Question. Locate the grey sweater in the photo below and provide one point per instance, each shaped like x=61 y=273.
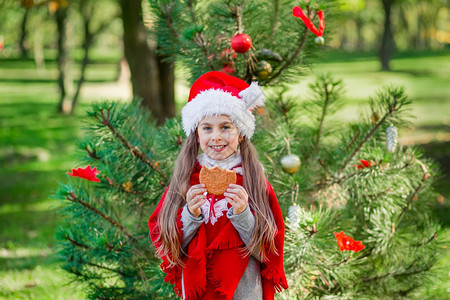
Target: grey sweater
x=249 y=286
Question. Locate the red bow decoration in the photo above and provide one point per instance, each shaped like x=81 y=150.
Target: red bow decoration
x=347 y=243
x=298 y=12
x=364 y=164
x=86 y=173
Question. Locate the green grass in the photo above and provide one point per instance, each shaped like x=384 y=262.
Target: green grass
x=37 y=147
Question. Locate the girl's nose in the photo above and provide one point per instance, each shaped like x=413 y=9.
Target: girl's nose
x=217 y=135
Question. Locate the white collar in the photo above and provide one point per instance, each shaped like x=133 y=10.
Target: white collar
x=227 y=163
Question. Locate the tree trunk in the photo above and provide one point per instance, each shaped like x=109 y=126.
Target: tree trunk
x=359 y=26
x=148 y=81
x=88 y=39
x=167 y=82
x=23 y=34
x=387 y=42
x=64 y=78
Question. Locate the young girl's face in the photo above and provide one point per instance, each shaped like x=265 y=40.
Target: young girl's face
x=218 y=137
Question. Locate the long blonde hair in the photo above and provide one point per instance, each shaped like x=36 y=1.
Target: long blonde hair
x=255 y=185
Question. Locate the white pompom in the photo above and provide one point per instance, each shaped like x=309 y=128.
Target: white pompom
x=253 y=96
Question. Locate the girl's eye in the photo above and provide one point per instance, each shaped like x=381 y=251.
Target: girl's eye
x=206 y=128
x=225 y=127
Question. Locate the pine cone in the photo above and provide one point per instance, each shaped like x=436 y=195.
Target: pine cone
x=391 y=138
x=293 y=214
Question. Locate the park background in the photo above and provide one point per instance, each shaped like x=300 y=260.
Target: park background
x=38 y=143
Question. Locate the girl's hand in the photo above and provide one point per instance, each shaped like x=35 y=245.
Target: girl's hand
x=195 y=199
x=237 y=197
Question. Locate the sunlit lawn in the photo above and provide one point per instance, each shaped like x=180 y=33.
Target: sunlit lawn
x=37 y=147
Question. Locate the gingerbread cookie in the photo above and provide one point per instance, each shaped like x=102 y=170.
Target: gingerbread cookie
x=217 y=180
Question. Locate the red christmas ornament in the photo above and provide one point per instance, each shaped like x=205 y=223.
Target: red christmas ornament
x=241 y=43
x=228 y=69
x=86 y=173
x=364 y=164
x=347 y=243
x=298 y=12
x=228 y=54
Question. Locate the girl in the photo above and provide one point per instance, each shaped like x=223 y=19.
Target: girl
x=229 y=246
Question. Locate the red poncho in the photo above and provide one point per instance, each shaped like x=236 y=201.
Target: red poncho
x=215 y=263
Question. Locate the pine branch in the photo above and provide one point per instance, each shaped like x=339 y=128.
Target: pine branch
x=322 y=117
x=322 y=164
x=294 y=55
x=141 y=214
x=414 y=193
x=190 y=5
x=392 y=108
x=78 y=244
x=199 y=40
x=352 y=141
x=276 y=7
x=134 y=149
x=236 y=13
x=394 y=274
x=123 y=189
x=72 y=197
x=341 y=179
x=166 y=12
x=92 y=153
x=105 y=268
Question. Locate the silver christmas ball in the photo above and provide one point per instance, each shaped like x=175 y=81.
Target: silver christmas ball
x=319 y=41
x=290 y=163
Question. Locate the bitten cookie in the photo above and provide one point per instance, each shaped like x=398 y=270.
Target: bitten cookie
x=217 y=180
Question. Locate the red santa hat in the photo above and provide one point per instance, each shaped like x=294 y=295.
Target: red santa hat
x=216 y=93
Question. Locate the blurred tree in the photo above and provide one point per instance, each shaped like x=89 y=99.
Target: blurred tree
x=387 y=41
x=353 y=11
x=152 y=75
x=90 y=10
x=23 y=33
x=65 y=82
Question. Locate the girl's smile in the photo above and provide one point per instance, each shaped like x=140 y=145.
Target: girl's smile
x=218 y=137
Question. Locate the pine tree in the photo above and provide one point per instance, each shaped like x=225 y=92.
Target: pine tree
x=336 y=183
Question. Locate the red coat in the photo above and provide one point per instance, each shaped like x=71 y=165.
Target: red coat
x=215 y=263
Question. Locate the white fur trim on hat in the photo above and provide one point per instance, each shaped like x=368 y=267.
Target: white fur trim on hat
x=217 y=102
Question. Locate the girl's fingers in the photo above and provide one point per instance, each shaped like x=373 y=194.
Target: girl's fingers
x=231 y=201
x=237 y=189
x=194 y=191
x=197 y=199
x=236 y=197
x=199 y=203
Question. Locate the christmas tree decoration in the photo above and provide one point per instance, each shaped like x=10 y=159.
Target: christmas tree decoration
x=293 y=214
x=391 y=138
x=375 y=117
x=228 y=69
x=127 y=186
x=86 y=173
x=228 y=54
x=290 y=163
x=266 y=54
x=346 y=243
x=298 y=12
x=241 y=43
x=263 y=70
x=319 y=41
x=364 y=164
